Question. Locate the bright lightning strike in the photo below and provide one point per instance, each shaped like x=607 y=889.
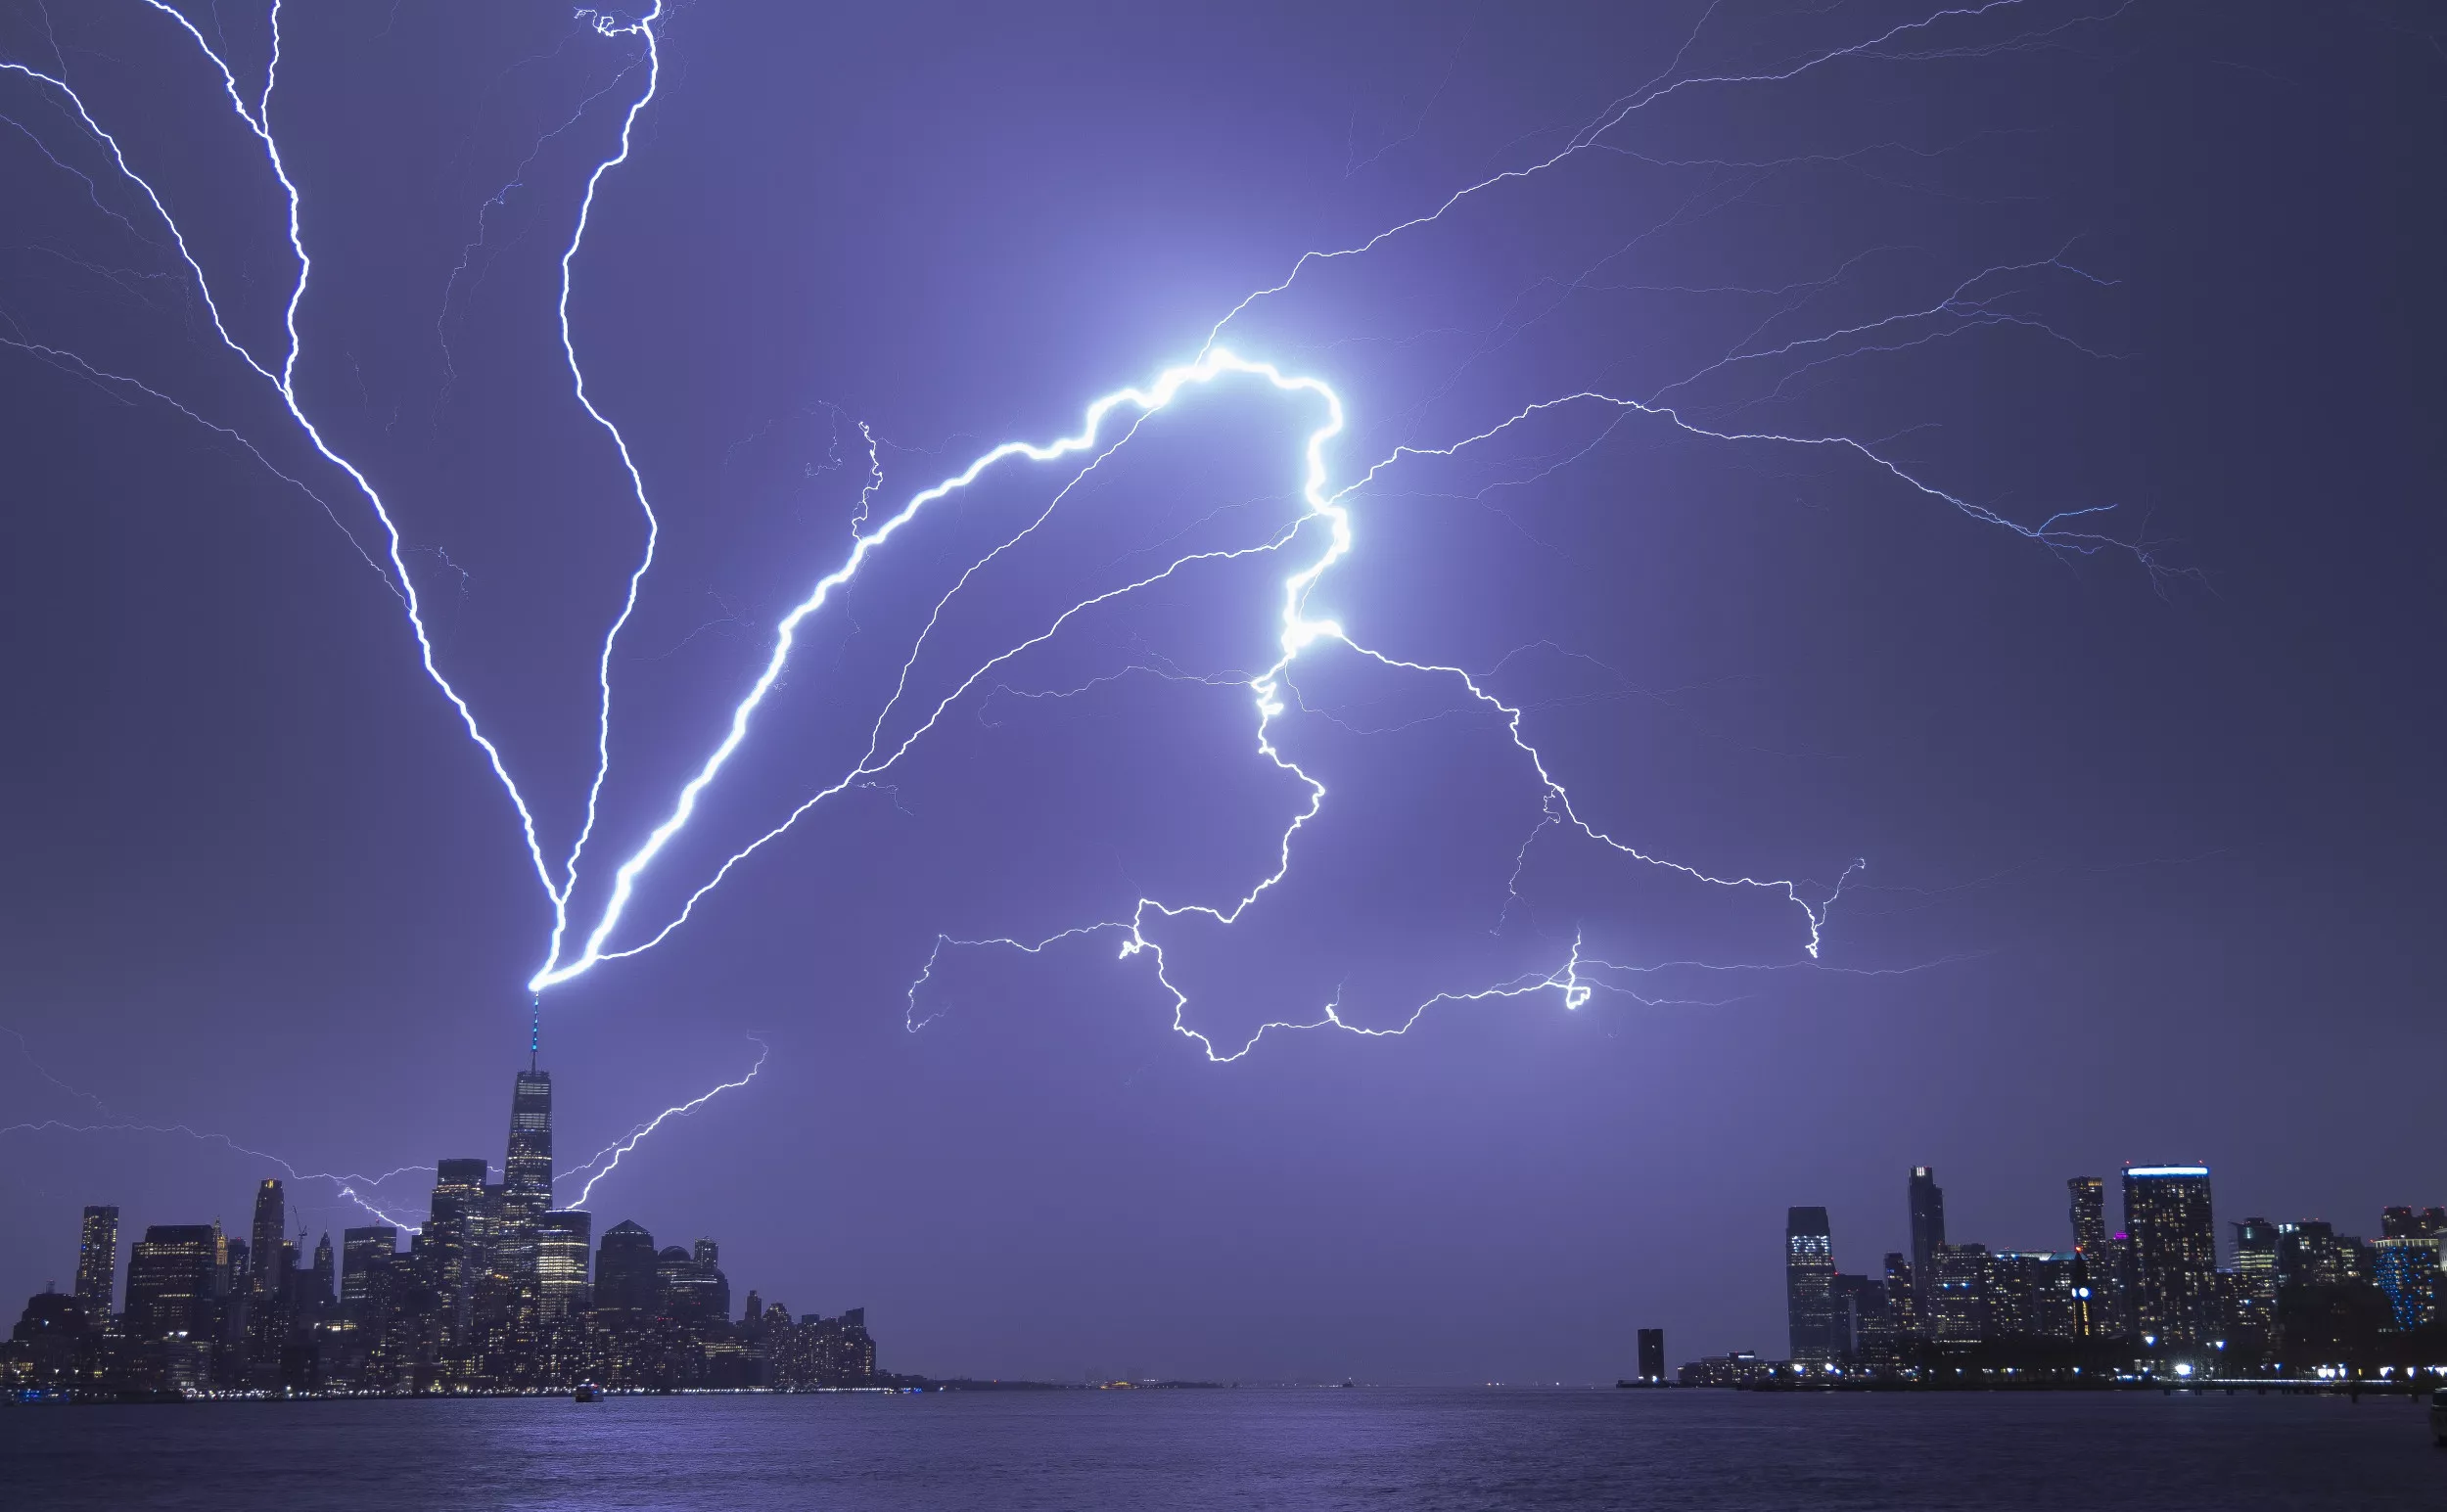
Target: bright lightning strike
x=1325 y=527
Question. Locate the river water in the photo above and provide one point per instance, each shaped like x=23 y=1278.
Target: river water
x=1377 y=1448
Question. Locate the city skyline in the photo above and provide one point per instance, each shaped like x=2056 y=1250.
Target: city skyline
x=493 y=1293
x=2158 y=1298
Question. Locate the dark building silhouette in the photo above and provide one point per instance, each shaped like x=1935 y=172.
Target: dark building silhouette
x=317 y=1292
x=267 y=1310
x=1864 y=1323
x=2173 y=1252
x=1652 y=1357
x=98 y=1260
x=271 y=1218
x=1809 y=1276
x=1928 y=1232
x=624 y=1276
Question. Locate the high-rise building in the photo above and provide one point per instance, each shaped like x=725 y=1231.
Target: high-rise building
x=2396 y=1223
x=691 y=1292
x=271 y=1218
x=98 y=1262
x=362 y=1251
x=1652 y=1357
x=2175 y=1253
x=1864 y=1324
x=510 y=1303
x=1809 y=1276
x=562 y=1239
x=2089 y=1214
x=1958 y=1293
x=526 y=1173
x=170 y=1281
x=627 y=1303
x=457 y=1247
x=624 y=1276
x=1928 y=1232
x=268 y=1288
x=316 y=1292
x=2256 y=1281
x=1904 y=1319
x=2407 y=1269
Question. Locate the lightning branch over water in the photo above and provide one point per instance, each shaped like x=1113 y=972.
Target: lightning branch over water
x=1320 y=540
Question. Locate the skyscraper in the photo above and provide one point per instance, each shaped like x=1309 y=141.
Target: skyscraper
x=2173 y=1252
x=526 y=1173
x=266 y=1309
x=514 y=1301
x=315 y=1292
x=2089 y=1214
x=562 y=1240
x=1905 y=1320
x=1958 y=1293
x=454 y=1246
x=624 y=1276
x=1652 y=1357
x=2407 y=1269
x=1928 y=1232
x=169 y=1280
x=362 y=1251
x=626 y=1301
x=271 y=1218
x=98 y=1260
x=1808 y=1277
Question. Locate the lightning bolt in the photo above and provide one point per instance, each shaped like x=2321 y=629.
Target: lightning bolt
x=621 y=1147
x=347 y=1183
x=1325 y=527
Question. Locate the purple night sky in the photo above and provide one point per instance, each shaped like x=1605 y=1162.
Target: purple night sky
x=2152 y=833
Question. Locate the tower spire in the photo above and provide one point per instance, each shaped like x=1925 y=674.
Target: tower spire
x=534 y=1030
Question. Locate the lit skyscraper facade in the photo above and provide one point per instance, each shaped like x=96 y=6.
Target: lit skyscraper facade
x=1958 y=1293
x=362 y=1251
x=562 y=1240
x=454 y=1247
x=2407 y=1270
x=1809 y=1279
x=2089 y=1212
x=526 y=1173
x=1928 y=1232
x=98 y=1259
x=2173 y=1252
x=169 y=1280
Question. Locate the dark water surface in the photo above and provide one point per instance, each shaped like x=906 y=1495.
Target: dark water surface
x=1086 y=1451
